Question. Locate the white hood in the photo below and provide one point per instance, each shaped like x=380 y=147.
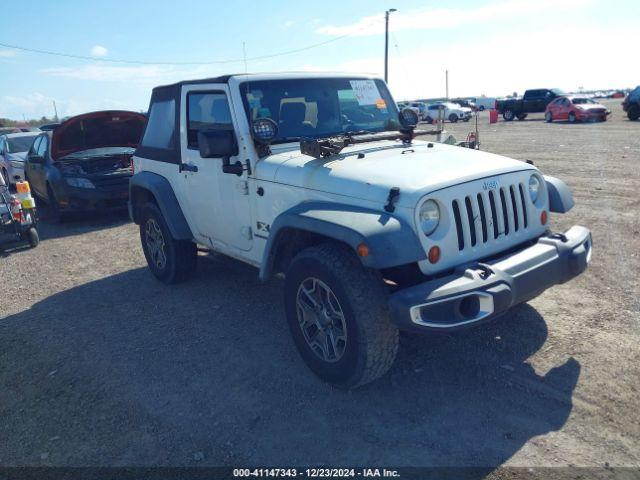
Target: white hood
x=416 y=169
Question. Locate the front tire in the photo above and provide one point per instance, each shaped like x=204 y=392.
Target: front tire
x=170 y=260
x=58 y=216
x=548 y=117
x=31 y=236
x=453 y=118
x=572 y=117
x=338 y=316
x=481 y=108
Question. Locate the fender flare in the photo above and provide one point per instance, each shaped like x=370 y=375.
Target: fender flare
x=166 y=199
x=560 y=197
x=391 y=241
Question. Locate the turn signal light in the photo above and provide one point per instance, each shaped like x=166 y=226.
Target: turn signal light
x=543 y=217
x=434 y=254
x=363 y=250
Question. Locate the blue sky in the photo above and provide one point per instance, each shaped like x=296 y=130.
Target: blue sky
x=492 y=47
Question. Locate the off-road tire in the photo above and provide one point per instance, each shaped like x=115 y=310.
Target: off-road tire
x=453 y=118
x=508 y=115
x=180 y=255
x=548 y=117
x=372 y=341
x=634 y=112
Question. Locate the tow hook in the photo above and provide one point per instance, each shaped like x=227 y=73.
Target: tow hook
x=559 y=236
x=485 y=270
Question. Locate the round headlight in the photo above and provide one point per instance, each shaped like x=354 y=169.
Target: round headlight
x=534 y=187
x=429 y=217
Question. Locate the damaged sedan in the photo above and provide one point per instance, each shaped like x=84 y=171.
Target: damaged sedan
x=84 y=164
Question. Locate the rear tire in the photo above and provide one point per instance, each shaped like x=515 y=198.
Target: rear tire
x=548 y=117
x=338 y=316
x=634 y=112
x=453 y=118
x=170 y=260
x=572 y=117
x=508 y=115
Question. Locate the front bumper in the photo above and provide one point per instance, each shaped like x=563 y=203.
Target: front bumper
x=91 y=199
x=480 y=292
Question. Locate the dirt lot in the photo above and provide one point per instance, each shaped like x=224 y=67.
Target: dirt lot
x=102 y=365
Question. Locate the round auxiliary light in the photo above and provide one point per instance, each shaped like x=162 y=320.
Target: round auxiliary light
x=264 y=130
x=408 y=118
x=534 y=187
x=434 y=254
x=429 y=216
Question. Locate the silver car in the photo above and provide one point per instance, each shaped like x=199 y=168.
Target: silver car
x=13 y=152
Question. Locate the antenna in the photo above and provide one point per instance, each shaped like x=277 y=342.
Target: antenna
x=55 y=110
x=244 y=56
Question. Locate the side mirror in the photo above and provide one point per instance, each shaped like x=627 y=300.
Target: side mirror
x=220 y=144
x=217 y=143
x=36 y=159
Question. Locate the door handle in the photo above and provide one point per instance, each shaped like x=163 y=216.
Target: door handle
x=187 y=167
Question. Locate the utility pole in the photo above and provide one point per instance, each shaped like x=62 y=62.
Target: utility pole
x=386 y=43
x=55 y=110
x=446 y=79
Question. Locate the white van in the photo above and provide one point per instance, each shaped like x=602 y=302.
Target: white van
x=484 y=103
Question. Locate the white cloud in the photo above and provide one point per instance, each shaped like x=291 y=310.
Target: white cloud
x=146 y=75
x=288 y=23
x=8 y=53
x=36 y=105
x=99 y=51
x=443 y=18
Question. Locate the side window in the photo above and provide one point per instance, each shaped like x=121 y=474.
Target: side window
x=206 y=111
x=1 y=146
x=161 y=125
x=42 y=147
x=34 y=147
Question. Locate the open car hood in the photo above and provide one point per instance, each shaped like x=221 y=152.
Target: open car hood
x=110 y=128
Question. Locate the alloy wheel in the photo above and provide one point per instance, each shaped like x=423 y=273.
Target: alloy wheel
x=321 y=320
x=155 y=243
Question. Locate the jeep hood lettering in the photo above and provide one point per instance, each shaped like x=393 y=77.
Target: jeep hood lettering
x=416 y=169
x=111 y=128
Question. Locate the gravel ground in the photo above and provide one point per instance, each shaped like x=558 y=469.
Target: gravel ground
x=102 y=365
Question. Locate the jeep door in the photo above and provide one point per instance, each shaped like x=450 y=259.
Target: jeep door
x=219 y=204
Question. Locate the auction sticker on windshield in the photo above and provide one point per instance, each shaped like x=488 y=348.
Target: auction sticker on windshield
x=366 y=91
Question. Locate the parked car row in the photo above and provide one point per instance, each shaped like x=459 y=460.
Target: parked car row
x=428 y=112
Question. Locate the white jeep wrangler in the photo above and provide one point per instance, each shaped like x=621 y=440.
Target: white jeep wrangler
x=320 y=178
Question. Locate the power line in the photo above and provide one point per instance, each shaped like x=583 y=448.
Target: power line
x=146 y=62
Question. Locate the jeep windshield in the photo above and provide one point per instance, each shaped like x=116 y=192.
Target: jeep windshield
x=321 y=107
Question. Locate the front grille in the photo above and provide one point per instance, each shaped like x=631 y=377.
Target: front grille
x=487 y=216
x=111 y=183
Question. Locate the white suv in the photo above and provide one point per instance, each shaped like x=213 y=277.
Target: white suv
x=452 y=112
x=320 y=178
